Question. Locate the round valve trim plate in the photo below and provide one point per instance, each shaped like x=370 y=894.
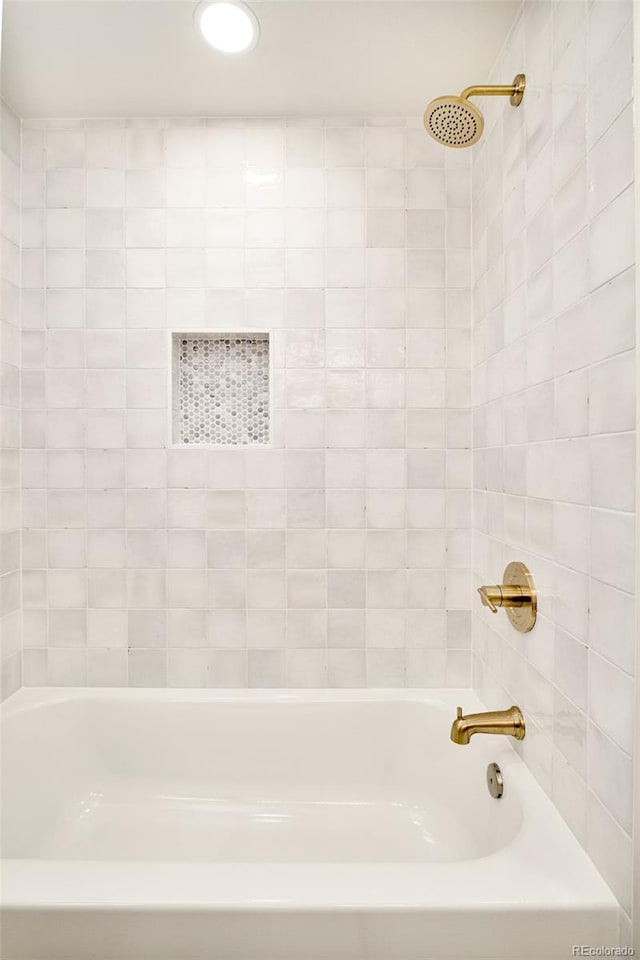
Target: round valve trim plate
x=523 y=618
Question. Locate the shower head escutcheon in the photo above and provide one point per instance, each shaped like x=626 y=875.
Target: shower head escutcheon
x=456 y=122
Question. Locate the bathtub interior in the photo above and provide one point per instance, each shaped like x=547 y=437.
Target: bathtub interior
x=234 y=779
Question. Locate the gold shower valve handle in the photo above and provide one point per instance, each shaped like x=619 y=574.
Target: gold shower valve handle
x=494 y=597
x=517 y=594
x=491 y=597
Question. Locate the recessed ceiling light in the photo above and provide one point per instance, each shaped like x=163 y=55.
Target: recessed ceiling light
x=230 y=26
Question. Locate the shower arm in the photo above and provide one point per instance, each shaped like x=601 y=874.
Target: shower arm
x=490 y=91
x=515 y=90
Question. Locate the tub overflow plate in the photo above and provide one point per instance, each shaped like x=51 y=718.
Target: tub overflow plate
x=495 y=783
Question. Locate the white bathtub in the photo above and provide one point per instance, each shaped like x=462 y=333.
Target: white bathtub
x=243 y=825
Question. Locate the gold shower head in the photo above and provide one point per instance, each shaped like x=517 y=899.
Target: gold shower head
x=456 y=122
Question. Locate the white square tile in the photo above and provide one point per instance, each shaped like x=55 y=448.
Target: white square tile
x=612 y=239
x=611 y=700
x=612 y=548
x=611 y=395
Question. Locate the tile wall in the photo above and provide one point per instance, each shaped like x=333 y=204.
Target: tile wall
x=341 y=555
x=338 y=557
x=553 y=401
x=10 y=619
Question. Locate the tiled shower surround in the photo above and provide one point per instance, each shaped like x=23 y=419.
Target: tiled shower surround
x=339 y=555
x=10 y=614
x=553 y=397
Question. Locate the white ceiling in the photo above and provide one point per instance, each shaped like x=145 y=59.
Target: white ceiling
x=128 y=58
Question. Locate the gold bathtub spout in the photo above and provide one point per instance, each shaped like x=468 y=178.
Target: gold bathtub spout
x=509 y=723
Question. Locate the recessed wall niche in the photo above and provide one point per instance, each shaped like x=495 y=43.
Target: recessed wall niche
x=221 y=387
